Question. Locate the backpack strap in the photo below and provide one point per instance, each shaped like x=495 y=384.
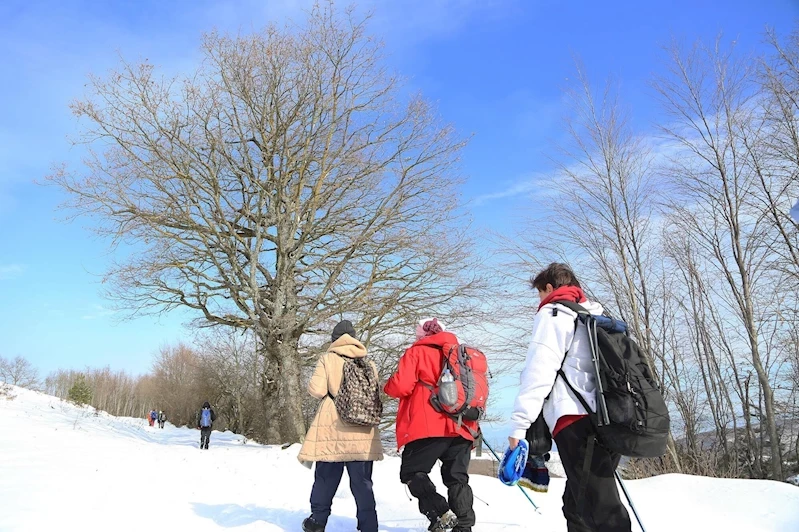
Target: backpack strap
x=589 y=456
x=591 y=324
x=578 y=309
x=583 y=315
x=581 y=311
x=444 y=360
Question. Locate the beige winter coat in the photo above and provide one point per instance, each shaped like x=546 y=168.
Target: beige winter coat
x=329 y=439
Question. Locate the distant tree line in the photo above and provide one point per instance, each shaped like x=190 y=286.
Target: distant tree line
x=686 y=234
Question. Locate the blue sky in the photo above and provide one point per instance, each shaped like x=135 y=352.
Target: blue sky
x=496 y=68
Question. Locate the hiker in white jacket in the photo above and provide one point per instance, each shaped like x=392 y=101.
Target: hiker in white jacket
x=591 y=500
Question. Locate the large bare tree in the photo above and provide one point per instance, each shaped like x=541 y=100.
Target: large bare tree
x=288 y=180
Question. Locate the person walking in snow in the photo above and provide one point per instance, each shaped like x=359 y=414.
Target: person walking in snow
x=335 y=445
x=428 y=435
x=205 y=422
x=161 y=418
x=153 y=417
x=591 y=500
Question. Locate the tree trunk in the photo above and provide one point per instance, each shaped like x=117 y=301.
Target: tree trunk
x=290 y=393
x=763 y=380
x=285 y=422
x=240 y=414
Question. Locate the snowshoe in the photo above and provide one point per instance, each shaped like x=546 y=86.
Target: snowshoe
x=513 y=463
x=447 y=521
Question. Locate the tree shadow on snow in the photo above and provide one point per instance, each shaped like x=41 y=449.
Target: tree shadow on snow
x=234 y=515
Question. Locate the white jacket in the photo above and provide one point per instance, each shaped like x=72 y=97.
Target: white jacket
x=553 y=336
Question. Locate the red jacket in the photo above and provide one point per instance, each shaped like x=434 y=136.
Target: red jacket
x=416 y=418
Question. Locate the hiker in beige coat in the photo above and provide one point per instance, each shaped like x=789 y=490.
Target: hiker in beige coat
x=334 y=445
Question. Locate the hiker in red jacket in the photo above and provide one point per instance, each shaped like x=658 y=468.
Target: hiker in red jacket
x=428 y=435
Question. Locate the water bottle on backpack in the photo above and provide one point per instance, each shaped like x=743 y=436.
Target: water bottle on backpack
x=447 y=389
x=462 y=388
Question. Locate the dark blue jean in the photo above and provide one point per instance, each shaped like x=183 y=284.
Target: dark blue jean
x=326 y=480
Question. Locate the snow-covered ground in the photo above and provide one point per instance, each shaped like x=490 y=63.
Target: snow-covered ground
x=64 y=468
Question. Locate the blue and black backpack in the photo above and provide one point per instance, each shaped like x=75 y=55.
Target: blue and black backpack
x=205 y=417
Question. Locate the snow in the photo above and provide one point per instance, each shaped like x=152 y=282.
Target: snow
x=63 y=467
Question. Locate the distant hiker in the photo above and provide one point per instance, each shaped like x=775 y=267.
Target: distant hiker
x=153 y=417
x=161 y=418
x=429 y=435
x=344 y=431
x=560 y=350
x=205 y=421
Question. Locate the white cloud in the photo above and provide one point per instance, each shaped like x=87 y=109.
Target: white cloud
x=514 y=190
x=98 y=311
x=10 y=271
x=519 y=188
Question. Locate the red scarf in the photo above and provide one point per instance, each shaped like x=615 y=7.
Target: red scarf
x=569 y=293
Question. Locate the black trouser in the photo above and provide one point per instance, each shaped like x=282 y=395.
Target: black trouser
x=600 y=509
x=161 y=424
x=326 y=480
x=205 y=437
x=418 y=459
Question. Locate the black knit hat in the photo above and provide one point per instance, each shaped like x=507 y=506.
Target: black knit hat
x=343 y=327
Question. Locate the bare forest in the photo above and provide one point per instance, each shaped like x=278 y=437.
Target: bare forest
x=291 y=181
x=685 y=233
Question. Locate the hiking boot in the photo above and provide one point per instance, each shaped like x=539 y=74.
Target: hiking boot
x=309 y=525
x=536 y=475
x=444 y=522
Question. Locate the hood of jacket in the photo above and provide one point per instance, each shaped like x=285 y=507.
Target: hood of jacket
x=347 y=346
x=206 y=405
x=437 y=340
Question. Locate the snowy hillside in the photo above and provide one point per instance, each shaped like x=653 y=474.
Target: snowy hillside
x=64 y=468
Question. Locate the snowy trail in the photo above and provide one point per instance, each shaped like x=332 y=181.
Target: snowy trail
x=62 y=467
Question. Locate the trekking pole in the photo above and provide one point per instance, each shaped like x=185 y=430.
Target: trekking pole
x=479 y=499
x=521 y=488
x=629 y=500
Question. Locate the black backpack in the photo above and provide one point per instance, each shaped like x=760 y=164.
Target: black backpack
x=631 y=418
